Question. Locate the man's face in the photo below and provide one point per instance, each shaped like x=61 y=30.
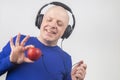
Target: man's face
x=54 y=24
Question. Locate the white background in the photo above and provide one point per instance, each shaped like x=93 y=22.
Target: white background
x=95 y=39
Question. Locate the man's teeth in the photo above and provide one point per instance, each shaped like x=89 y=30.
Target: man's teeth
x=49 y=31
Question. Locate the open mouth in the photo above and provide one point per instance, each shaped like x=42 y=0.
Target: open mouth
x=51 y=31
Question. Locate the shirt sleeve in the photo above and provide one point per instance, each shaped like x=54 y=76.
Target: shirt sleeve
x=5 y=63
x=69 y=67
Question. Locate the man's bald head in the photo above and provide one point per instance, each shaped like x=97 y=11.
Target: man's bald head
x=59 y=12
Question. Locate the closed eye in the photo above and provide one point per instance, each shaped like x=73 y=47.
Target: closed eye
x=60 y=23
x=49 y=19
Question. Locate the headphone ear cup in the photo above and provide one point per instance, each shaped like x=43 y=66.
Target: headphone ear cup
x=39 y=20
x=67 y=32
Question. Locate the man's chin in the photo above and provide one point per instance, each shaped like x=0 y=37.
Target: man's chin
x=49 y=39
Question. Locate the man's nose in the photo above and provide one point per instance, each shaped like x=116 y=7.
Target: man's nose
x=53 y=24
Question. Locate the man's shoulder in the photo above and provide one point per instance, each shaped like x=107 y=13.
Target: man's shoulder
x=66 y=54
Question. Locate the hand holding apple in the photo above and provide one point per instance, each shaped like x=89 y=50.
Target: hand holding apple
x=34 y=53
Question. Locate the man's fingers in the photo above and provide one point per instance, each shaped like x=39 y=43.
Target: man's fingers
x=29 y=46
x=81 y=62
x=17 y=42
x=77 y=66
x=80 y=74
x=24 y=40
x=85 y=66
x=28 y=60
x=11 y=43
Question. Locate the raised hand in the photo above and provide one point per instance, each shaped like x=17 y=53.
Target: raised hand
x=79 y=71
x=17 y=55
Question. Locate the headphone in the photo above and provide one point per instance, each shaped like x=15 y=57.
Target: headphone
x=69 y=28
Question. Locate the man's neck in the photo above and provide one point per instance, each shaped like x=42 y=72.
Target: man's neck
x=46 y=42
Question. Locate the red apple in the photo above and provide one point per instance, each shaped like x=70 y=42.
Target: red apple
x=34 y=53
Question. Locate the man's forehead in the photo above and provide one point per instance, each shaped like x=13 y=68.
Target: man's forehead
x=56 y=9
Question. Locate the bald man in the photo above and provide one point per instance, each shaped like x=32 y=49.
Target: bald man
x=55 y=64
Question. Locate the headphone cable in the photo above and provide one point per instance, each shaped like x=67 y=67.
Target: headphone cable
x=61 y=43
